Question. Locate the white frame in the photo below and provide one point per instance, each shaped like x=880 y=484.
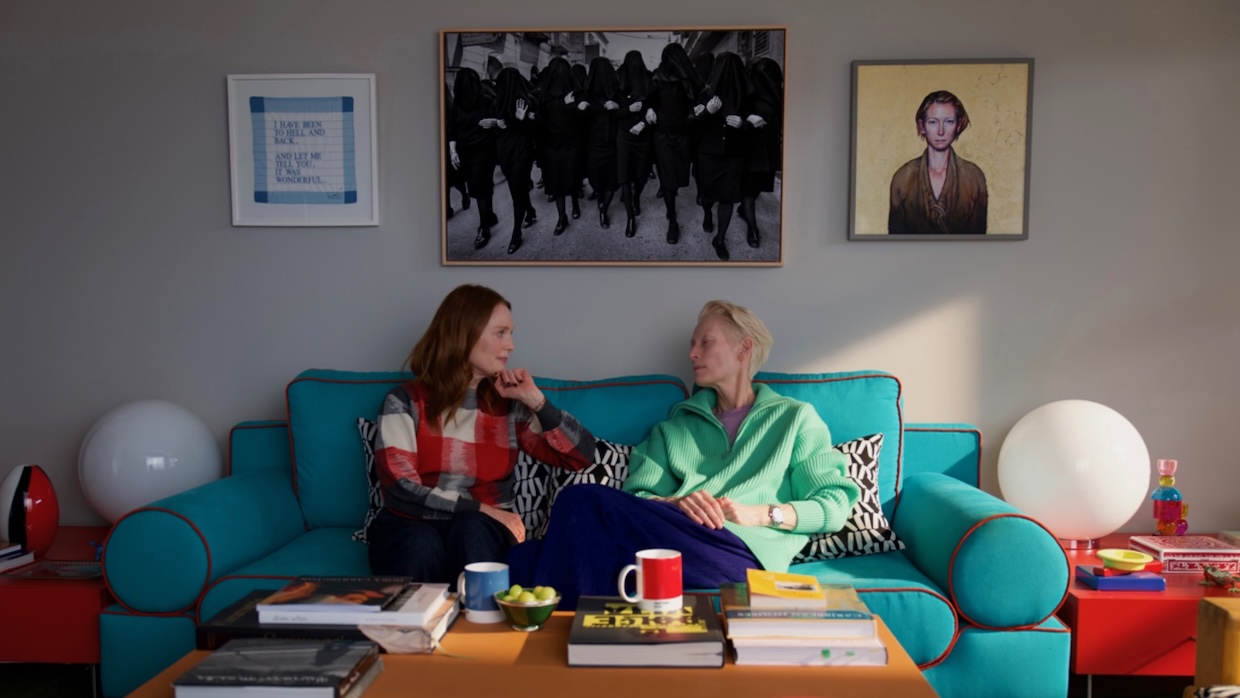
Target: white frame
x=360 y=175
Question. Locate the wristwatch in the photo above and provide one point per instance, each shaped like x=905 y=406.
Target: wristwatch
x=776 y=514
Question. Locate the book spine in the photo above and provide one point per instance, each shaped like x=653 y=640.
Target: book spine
x=1231 y=566
x=788 y=614
x=1206 y=555
x=826 y=656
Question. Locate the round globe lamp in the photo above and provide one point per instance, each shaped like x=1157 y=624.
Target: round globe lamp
x=143 y=451
x=1078 y=467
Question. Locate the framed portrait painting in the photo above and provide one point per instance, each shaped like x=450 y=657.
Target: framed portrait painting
x=644 y=146
x=303 y=150
x=940 y=149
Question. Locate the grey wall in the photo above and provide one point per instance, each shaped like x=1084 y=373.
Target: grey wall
x=121 y=277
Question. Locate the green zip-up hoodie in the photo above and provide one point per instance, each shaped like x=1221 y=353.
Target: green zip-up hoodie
x=782 y=455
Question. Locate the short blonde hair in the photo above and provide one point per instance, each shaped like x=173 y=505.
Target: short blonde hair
x=742 y=323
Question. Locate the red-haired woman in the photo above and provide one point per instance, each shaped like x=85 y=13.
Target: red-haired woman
x=447 y=444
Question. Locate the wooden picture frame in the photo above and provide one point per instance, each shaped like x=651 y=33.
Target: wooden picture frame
x=303 y=150
x=537 y=154
x=940 y=149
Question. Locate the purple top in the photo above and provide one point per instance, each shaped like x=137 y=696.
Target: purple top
x=731 y=420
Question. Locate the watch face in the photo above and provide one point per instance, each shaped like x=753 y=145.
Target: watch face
x=777 y=516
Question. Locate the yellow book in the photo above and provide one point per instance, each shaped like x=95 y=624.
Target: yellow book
x=784 y=590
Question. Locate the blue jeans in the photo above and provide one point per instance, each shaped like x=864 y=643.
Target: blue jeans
x=435 y=550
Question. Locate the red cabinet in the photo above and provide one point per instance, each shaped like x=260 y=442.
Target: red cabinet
x=57 y=620
x=1133 y=632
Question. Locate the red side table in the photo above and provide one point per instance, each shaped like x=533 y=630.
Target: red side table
x=1145 y=633
x=57 y=620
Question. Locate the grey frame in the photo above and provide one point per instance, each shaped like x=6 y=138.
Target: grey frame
x=915 y=99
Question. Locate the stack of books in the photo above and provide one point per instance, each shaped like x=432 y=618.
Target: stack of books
x=13 y=555
x=1105 y=578
x=419 y=614
x=302 y=668
x=609 y=631
x=1188 y=553
x=807 y=624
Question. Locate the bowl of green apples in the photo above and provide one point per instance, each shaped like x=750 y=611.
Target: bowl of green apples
x=527 y=609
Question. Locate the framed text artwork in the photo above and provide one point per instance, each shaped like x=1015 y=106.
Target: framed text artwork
x=646 y=146
x=940 y=149
x=303 y=150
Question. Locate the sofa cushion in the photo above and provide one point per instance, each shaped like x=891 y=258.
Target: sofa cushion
x=866 y=531
x=326 y=551
x=918 y=612
x=853 y=405
x=329 y=470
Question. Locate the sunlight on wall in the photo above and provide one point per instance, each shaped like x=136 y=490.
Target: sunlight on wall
x=936 y=355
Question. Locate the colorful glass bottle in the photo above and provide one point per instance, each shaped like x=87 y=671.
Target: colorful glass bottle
x=1170 y=511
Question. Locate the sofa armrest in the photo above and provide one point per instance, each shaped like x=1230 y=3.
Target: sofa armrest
x=1001 y=569
x=161 y=557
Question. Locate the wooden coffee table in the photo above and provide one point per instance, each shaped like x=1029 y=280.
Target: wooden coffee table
x=497 y=661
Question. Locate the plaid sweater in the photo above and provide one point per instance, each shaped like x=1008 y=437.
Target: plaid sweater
x=430 y=474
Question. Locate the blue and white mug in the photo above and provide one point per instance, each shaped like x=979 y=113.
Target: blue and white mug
x=477 y=586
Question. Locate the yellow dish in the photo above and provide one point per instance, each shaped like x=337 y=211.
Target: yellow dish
x=1127 y=560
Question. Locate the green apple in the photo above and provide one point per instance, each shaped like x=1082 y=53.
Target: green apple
x=526 y=597
x=515 y=590
x=545 y=593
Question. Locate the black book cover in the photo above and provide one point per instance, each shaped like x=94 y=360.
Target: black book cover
x=285 y=663
x=240 y=619
x=608 y=631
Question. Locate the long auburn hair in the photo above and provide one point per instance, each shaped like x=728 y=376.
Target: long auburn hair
x=440 y=359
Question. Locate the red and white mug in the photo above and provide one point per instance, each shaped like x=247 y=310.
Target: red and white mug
x=659 y=581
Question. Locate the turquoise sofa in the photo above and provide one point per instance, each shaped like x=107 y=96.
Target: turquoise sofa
x=972 y=597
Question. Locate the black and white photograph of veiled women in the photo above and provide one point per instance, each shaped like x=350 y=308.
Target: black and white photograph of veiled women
x=613 y=147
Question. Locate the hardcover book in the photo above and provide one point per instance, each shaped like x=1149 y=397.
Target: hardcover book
x=335 y=594
x=240 y=619
x=1188 y=553
x=846 y=615
x=769 y=589
x=15 y=560
x=608 y=631
x=411 y=607
x=1133 y=581
x=260 y=668
x=58 y=569
x=791 y=651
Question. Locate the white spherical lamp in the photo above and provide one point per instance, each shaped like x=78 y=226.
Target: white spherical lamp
x=143 y=451
x=1076 y=466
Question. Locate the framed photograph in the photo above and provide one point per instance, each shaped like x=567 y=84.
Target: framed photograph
x=303 y=150
x=655 y=146
x=940 y=149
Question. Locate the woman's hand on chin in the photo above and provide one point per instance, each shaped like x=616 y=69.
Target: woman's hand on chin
x=518 y=384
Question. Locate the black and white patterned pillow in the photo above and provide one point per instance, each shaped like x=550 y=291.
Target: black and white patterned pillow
x=532 y=485
x=366 y=429
x=867 y=530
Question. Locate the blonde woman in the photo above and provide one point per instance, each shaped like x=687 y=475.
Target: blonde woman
x=738 y=476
